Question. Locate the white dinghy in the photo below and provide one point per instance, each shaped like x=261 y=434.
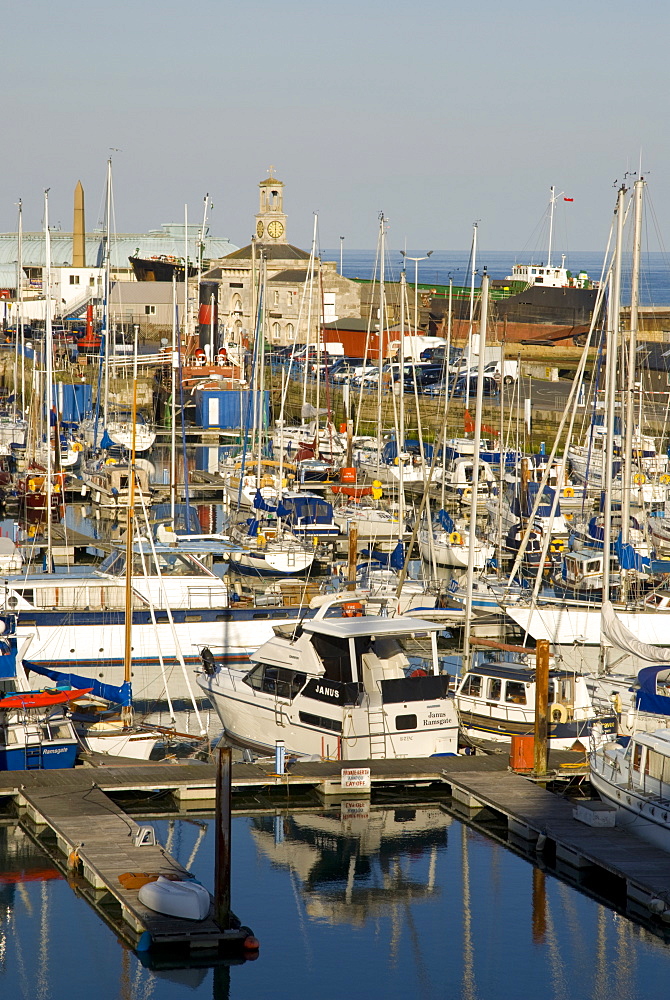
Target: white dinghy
x=186 y=900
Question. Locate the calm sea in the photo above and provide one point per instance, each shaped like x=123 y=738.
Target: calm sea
x=356 y=902
x=654 y=285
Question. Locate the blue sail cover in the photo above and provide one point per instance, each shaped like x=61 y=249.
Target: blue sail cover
x=629 y=558
x=445 y=521
x=110 y=692
x=646 y=699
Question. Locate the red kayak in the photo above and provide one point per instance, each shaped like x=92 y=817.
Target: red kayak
x=41 y=699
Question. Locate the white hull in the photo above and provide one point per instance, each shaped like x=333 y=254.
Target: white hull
x=258 y=720
x=97 y=651
x=564 y=626
x=640 y=812
x=448 y=553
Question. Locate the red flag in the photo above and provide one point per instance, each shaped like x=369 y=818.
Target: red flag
x=489 y=430
x=468 y=422
x=568 y=199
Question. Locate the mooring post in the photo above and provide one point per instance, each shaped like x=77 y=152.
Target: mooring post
x=222 y=842
x=541 y=707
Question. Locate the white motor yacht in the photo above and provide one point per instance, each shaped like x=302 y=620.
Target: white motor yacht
x=339 y=687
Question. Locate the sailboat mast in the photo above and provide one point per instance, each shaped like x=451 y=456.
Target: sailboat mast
x=613 y=319
x=19 y=305
x=127 y=710
x=106 y=289
x=638 y=189
x=173 y=403
x=552 y=202
x=380 y=333
x=479 y=406
x=401 y=408
x=473 y=271
x=48 y=344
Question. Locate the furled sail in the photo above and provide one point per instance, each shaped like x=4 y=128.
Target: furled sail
x=616 y=633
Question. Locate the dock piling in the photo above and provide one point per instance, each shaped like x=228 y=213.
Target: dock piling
x=222 y=841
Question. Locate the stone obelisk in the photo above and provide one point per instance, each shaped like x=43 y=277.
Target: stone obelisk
x=79 y=229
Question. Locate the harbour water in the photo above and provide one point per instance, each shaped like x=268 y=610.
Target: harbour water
x=443 y=264
x=389 y=903
x=382 y=902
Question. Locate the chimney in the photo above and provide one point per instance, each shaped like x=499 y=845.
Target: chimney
x=79 y=229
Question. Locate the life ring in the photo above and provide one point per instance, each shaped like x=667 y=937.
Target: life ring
x=456 y=538
x=418 y=673
x=78 y=446
x=665 y=478
x=639 y=478
x=466 y=494
x=558 y=713
x=568 y=491
x=110 y=461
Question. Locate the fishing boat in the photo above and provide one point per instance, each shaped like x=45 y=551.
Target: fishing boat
x=76 y=623
x=636 y=781
x=496 y=700
x=339 y=687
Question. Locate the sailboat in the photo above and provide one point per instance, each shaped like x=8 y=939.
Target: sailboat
x=117 y=427
x=102 y=730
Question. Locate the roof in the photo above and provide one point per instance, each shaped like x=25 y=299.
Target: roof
x=271 y=251
x=168 y=240
x=356 y=325
x=292 y=274
x=369 y=625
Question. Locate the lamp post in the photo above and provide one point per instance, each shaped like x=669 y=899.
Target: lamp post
x=416 y=283
x=341 y=251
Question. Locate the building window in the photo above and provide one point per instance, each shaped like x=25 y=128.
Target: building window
x=74 y=279
x=289 y=298
x=276 y=298
x=276 y=330
x=150 y=310
x=290 y=331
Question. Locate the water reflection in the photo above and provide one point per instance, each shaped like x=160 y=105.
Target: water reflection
x=360 y=862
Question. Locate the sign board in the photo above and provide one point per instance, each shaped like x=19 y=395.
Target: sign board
x=355 y=777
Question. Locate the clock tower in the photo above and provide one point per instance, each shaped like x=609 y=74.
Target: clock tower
x=270 y=219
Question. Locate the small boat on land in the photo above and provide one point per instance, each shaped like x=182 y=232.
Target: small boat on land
x=348 y=688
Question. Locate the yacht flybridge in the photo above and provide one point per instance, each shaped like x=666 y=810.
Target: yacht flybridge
x=348 y=688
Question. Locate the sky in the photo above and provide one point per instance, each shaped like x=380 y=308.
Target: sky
x=436 y=113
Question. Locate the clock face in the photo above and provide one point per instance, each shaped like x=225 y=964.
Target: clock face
x=259 y=229
x=275 y=229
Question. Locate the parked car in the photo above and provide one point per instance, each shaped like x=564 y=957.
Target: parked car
x=490 y=386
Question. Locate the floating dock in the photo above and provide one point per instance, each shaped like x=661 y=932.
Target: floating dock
x=74 y=805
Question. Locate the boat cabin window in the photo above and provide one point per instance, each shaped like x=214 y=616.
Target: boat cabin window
x=494 y=689
x=277 y=681
x=171 y=563
x=334 y=654
x=560 y=690
x=594 y=566
x=60 y=730
x=637 y=756
x=515 y=692
x=472 y=686
x=657 y=766
x=9 y=736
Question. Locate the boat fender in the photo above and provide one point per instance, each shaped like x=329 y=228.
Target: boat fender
x=73 y=859
x=208 y=662
x=558 y=712
x=456 y=538
x=540 y=843
x=568 y=491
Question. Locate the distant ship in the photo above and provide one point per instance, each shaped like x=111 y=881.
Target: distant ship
x=161 y=268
